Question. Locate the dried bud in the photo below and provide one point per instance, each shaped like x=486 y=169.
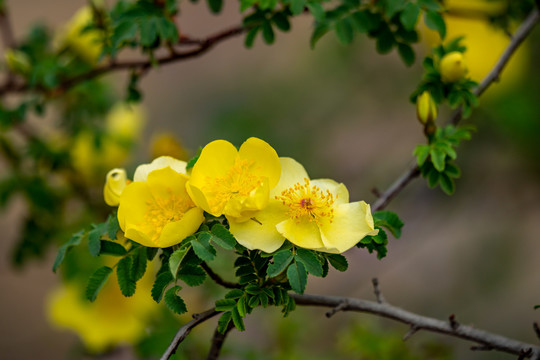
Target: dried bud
x=17 y=61
x=452 y=67
x=116 y=181
x=426 y=109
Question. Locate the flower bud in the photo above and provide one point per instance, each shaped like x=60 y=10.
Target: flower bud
x=17 y=61
x=426 y=109
x=452 y=67
x=116 y=181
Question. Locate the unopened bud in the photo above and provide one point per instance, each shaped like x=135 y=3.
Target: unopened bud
x=453 y=67
x=17 y=61
x=426 y=109
x=116 y=181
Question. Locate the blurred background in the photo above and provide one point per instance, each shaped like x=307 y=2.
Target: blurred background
x=342 y=111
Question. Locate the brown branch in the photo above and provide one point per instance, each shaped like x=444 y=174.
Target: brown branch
x=6 y=31
x=186 y=329
x=218 y=279
x=142 y=64
x=217 y=342
x=420 y=322
x=412 y=171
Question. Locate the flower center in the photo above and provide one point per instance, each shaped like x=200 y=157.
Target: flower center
x=239 y=182
x=161 y=211
x=308 y=202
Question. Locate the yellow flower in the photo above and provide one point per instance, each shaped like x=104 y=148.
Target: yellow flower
x=426 y=109
x=155 y=209
x=234 y=182
x=110 y=320
x=452 y=67
x=125 y=121
x=88 y=44
x=313 y=214
x=116 y=181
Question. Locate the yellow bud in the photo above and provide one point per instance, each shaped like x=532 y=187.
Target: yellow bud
x=116 y=181
x=452 y=67
x=426 y=109
x=167 y=145
x=17 y=61
x=125 y=121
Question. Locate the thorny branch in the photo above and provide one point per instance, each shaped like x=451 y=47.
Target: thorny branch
x=218 y=279
x=217 y=342
x=412 y=171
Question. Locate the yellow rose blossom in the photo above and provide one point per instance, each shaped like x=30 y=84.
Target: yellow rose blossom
x=110 y=320
x=116 y=181
x=313 y=214
x=233 y=182
x=452 y=67
x=155 y=209
x=426 y=109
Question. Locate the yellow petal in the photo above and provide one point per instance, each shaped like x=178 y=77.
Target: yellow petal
x=350 y=224
x=137 y=235
x=114 y=185
x=340 y=192
x=265 y=158
x=161 y=162
x=198 y=198
x=260 y=232
x=292 y=172
x=215 y=160
x=174 y=232
x=241 y=207
x=304 y=234
x=133 y=204
x=166 y=182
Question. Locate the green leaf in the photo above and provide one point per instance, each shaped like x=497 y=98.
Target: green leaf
x=282 y=21
x=94 y=237
x=409 y=16
x=138 y=264
x=435 y=21
x=393 y=6
x=344 y=31
x=297 y=6
x=224 y=321
x=225 y=304
x=176 y=259
x=96 y=282
x=234 y=294
x=223 y=237
x=297 y=275
x=421 y=152
x=317 y=11
x=407 y=54
x=151 y=253
x=447 y=184
x=237 y=320
x=112 y=248
x=268 y=33
x=192 y=275
x=389 y=220
x=430 y=4
x=215 y=5
x=175 y=302
x=241 y=306
x=73 y=241
x=162 y=281
x=281 y=260
x=437 y=158
x=202 y=247
x=452 y=170
x=123 y=274
x=310 y=261
x=112 y=226
x=433 y=177
x=193 y=160
x=385 y=42
x=339 y=262
x=250 y=36
x=318 y=32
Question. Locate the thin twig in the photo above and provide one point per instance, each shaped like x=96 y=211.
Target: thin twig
x=412 y=171
x=217 y=342
x=186 y=329
x=497 y=342
x=218 y=279
x=378 y=294
x=412 y=330
x=340 y=307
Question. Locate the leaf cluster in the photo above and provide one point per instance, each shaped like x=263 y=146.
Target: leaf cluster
x=382 y=220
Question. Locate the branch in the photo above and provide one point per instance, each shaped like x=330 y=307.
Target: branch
x=186 y=329
x=419 y=322
x=203 y=46
x=218 y=279
x=217 y=342
x=6 y=31
x=412 y=172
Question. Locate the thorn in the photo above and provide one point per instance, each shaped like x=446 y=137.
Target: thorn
x=376 y=192
x=524 y=353
x=378 y=294
x=412 y=330
x=453 y=323
x=341 y=306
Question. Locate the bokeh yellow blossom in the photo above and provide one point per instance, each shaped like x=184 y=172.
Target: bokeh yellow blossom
x=166 y=144
x=452 y=67
x=110 y=320
x=313 y=214
x=485 y=43
x=155 y=209
x=233 y=182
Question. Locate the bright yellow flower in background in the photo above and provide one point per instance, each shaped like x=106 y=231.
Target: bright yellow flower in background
x=453 y=67
x=485 y=43
x=166 y=144
x=110 y=320
x=125 y=121
x=231 y=182
x=87 y=44
x=155 y=209
x=313 y=214
x=115 y=183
